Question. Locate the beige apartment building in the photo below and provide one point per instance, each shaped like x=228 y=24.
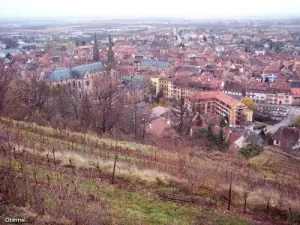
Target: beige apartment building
x=177 y=88
x=221 y=104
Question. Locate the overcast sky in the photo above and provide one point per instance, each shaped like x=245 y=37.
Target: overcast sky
x=150 y=8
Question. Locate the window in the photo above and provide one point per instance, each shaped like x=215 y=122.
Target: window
x=74 y=83
x=79 y=84
x=87 y=83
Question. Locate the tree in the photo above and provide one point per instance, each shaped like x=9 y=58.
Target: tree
x=5 y=80
x=10 y=43
x=204 y=38
x=109 y=105
x=220 y=138
x=249 y=103
x=9 y=56
x=210 y=136
x=267 y=80
x=199 y=121
x=296 y=122
x=160 y=94
x=223 y=122
x=251 y=150
x=39 y=93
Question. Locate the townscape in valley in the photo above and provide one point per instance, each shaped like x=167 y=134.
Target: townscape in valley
x=150 y=121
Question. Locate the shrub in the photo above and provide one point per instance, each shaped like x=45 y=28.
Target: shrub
x=251 y=150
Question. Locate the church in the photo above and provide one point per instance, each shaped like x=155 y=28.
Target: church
x=81 y=78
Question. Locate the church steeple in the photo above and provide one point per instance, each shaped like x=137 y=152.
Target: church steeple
x=110 y=54
x=96 y=56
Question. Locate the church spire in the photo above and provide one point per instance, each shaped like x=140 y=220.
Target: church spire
x=110 y=54
x=96 y=56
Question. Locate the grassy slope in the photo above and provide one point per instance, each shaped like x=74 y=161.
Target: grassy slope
x=129 y=203
x=135 y=206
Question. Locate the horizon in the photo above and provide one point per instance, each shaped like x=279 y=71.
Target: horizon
x=133 y=9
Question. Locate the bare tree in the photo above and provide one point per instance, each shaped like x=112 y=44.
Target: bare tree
x=108 y=103
x=6 y=76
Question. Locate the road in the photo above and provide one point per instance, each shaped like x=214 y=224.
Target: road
x=292 y=114
x=179 y=39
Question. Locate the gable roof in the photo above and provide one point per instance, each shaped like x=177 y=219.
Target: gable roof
x=160 y=64
x=289 y=136
x=295 y=84
x=233 y=86
x=295 y=91
x=159 y=111
x=273 y=68
x=76 y=72
x=160 y=127
x=221 y=96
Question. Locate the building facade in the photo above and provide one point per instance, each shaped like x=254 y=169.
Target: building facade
x=218 y=103
x=80 y=79
x=178 y=88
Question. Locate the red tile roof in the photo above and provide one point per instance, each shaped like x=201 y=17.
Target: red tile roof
x=159 y=128
x=295 y=91
x=233 y=137
x=273 y=68
x=219 y=95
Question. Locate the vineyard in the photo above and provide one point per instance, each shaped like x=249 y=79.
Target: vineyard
x=64 y=177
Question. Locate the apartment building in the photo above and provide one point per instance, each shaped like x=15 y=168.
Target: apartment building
x=295 y=96
x=221 y=104
x=181 y=87
x=279 y=96
x=257 y=91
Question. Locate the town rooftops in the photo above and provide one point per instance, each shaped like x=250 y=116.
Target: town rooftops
x=273 y=68
x=160 y=64
x=289 y=136
x=219 y=95
x=76 y=72
x=295 y=91
x=257 y=87
x=159 y=111
x=233 y=86
x=295 y=84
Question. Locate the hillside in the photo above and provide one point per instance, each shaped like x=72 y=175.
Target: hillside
x=73 y=178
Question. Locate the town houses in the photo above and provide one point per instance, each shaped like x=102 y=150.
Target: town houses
x=213 y=69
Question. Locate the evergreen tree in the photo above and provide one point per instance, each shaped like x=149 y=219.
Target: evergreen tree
x=220 y=138
x=199 y=121
x=223 y=122
x=204 y=38
x=250 y=150
x=210 y=135
x=267 y=80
